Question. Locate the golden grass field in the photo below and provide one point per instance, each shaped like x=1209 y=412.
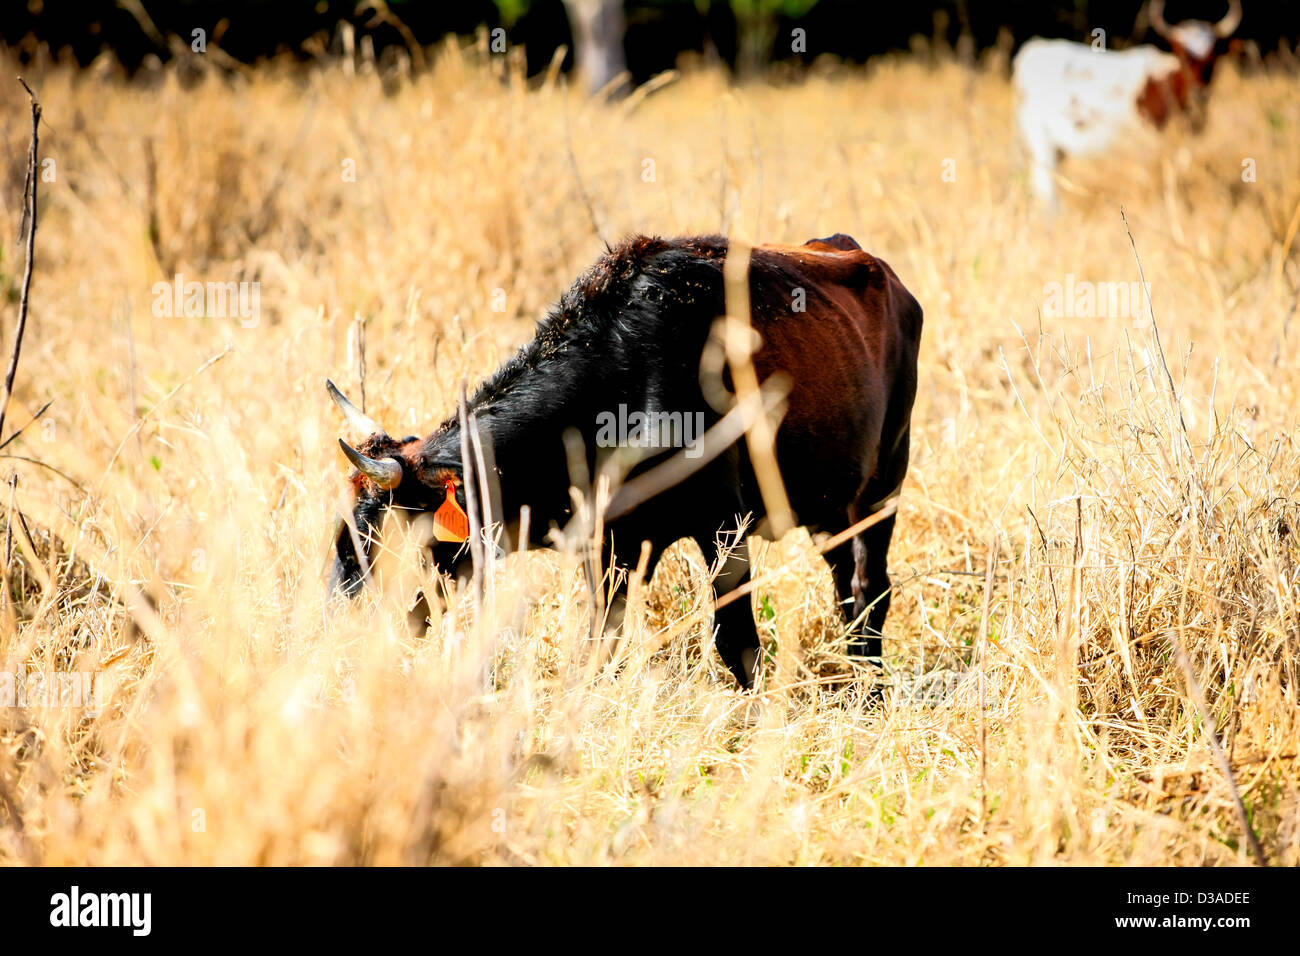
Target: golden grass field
x=193 y=502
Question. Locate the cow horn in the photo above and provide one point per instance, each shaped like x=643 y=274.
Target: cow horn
x=385 y=472
x=1231 y=20
x=1156 y=13
x=355 y=416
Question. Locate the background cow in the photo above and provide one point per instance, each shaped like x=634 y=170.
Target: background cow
x=632 y=331
x=1076 y=100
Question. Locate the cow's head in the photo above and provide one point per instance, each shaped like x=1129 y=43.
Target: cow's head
x=1196 y=42
x=397 y=473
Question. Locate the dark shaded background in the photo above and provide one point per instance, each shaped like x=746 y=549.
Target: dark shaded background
x=658 y=31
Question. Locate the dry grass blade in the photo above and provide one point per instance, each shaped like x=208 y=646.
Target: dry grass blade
x=472 y=508
x=760 y=436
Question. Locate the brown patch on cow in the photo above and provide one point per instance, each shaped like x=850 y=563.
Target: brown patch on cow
x=1162 y=96
x=829 y=265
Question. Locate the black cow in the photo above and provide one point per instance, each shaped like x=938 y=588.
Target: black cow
x=632 y=331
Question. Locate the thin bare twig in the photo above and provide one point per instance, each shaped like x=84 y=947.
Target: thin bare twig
x=9 y=530
x=44 y=409
x=48 y=467
x=30 y=217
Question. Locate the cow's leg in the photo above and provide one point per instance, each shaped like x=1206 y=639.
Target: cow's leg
x=1042 y=159
x=737 y=635
x=841 y=560
x=1044 y=183
x=860 y=565
x=862 y=582
x=737 y=639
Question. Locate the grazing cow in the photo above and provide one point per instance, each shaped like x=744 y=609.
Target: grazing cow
x=632 y=332
x=1076 y=100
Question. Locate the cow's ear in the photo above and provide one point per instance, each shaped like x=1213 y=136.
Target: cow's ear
x=437 y=476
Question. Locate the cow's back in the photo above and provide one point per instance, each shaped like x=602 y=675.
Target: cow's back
x=850 y=355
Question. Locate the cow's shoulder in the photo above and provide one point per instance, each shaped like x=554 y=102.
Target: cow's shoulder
x=837 y=260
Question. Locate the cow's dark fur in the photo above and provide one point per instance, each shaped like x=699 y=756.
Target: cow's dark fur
x=632 y=331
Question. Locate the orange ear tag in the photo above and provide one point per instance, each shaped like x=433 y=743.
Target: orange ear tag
x=450 y=523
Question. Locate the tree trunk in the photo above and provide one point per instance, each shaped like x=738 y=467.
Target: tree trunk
x=598 y=40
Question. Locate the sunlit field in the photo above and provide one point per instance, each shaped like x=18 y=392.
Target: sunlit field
x=1094 y=498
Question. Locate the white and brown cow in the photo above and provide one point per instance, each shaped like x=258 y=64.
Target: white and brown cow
x=1077 y=100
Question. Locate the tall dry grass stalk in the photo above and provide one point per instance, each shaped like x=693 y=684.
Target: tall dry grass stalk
x=179 y=548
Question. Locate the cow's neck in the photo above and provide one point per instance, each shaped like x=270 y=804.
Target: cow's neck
x=526 y=414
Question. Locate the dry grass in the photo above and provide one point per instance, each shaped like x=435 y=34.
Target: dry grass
x=242 y=724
